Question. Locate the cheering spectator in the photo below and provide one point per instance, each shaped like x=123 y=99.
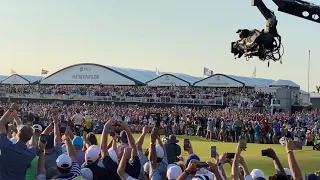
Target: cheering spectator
x=173 y=149
x=18 y=153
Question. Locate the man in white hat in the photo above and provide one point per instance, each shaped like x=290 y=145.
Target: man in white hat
x=67 y=165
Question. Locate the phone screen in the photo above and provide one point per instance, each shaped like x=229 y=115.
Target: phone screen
x=230 y=155
x=63 y=124
x=213 y=151
x=186 y=144
x=43 y=138
x=202 y=165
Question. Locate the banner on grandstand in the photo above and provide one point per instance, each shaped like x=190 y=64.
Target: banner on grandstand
x=218 y=80
x=88 y=74
x=167 y=80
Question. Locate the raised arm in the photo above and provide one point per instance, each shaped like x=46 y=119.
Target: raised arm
x=41 y=160
x=293 y=165
x=56 y=130
x=141 y=138
x=277 y=164
x=153 y=154
x=5 y=118
x=123 y=163
x=48 y=129
x=131 y=140
x=161 y=145
x=236 y=161
x=71 y=150
x=104 y=138
x=14 y=114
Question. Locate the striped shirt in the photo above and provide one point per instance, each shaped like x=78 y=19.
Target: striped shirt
x=75 y=174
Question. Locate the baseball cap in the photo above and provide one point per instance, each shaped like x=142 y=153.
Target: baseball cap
x=130 y=178
x=37 y=127
x=92 y=154
x=191 y=157
x=77 y=141
x=87 y=174
x=173 y=172
x=287 y=171
x=159 y=151
x=113 y=155
x=312 y=177
x=146 y=167
x=64 y=161
x=257 y=173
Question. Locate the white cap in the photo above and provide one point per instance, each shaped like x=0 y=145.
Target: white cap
x=87 y=174
x=92 y=153
x=287 y=171
x=14 y=140
x=113 y=155
x=64 y=161
x=37 y=127
x=146 y=167
x=130 y=178
x=173 y=172
x=159 y=151
x=248 y=177
x=256 y=173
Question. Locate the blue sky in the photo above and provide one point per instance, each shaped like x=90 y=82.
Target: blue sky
x=173 y=36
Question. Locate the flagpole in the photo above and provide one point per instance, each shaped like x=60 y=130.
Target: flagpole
x=309 y=76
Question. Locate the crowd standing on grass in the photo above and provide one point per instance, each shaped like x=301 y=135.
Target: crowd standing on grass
x=66 y=146
x=219 y=124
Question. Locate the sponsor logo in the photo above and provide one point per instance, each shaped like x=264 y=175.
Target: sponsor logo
x=85 y=69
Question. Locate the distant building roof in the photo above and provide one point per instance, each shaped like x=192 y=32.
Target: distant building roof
x=2 y=77
x=252 y=82
x=20 y=79
x=282 y=82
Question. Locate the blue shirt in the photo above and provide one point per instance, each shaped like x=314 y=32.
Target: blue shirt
x=276 y=128
x=14 y=159
x=257 y=130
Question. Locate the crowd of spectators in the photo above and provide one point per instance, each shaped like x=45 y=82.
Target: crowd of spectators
x=217 y=124
x=231 y=96
x=36 y=152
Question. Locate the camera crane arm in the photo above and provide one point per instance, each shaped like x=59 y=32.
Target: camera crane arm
x=268 y=15
x=298 y=8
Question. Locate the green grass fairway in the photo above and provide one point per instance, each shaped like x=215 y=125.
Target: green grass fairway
x=308 y=160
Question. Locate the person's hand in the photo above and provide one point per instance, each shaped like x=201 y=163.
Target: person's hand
x=84 y=135
x=271 y=154
x=127 y=153
x=145 y=130
x=180 y=158
x=154 y=135
x=242 y=146
x=41 y=145
x=222 y=158
x=14 y=106
x=212 y=167
x=291 y=146
x=14 y=114
x=109 y=123
x=192 y=166
x=123 y=125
